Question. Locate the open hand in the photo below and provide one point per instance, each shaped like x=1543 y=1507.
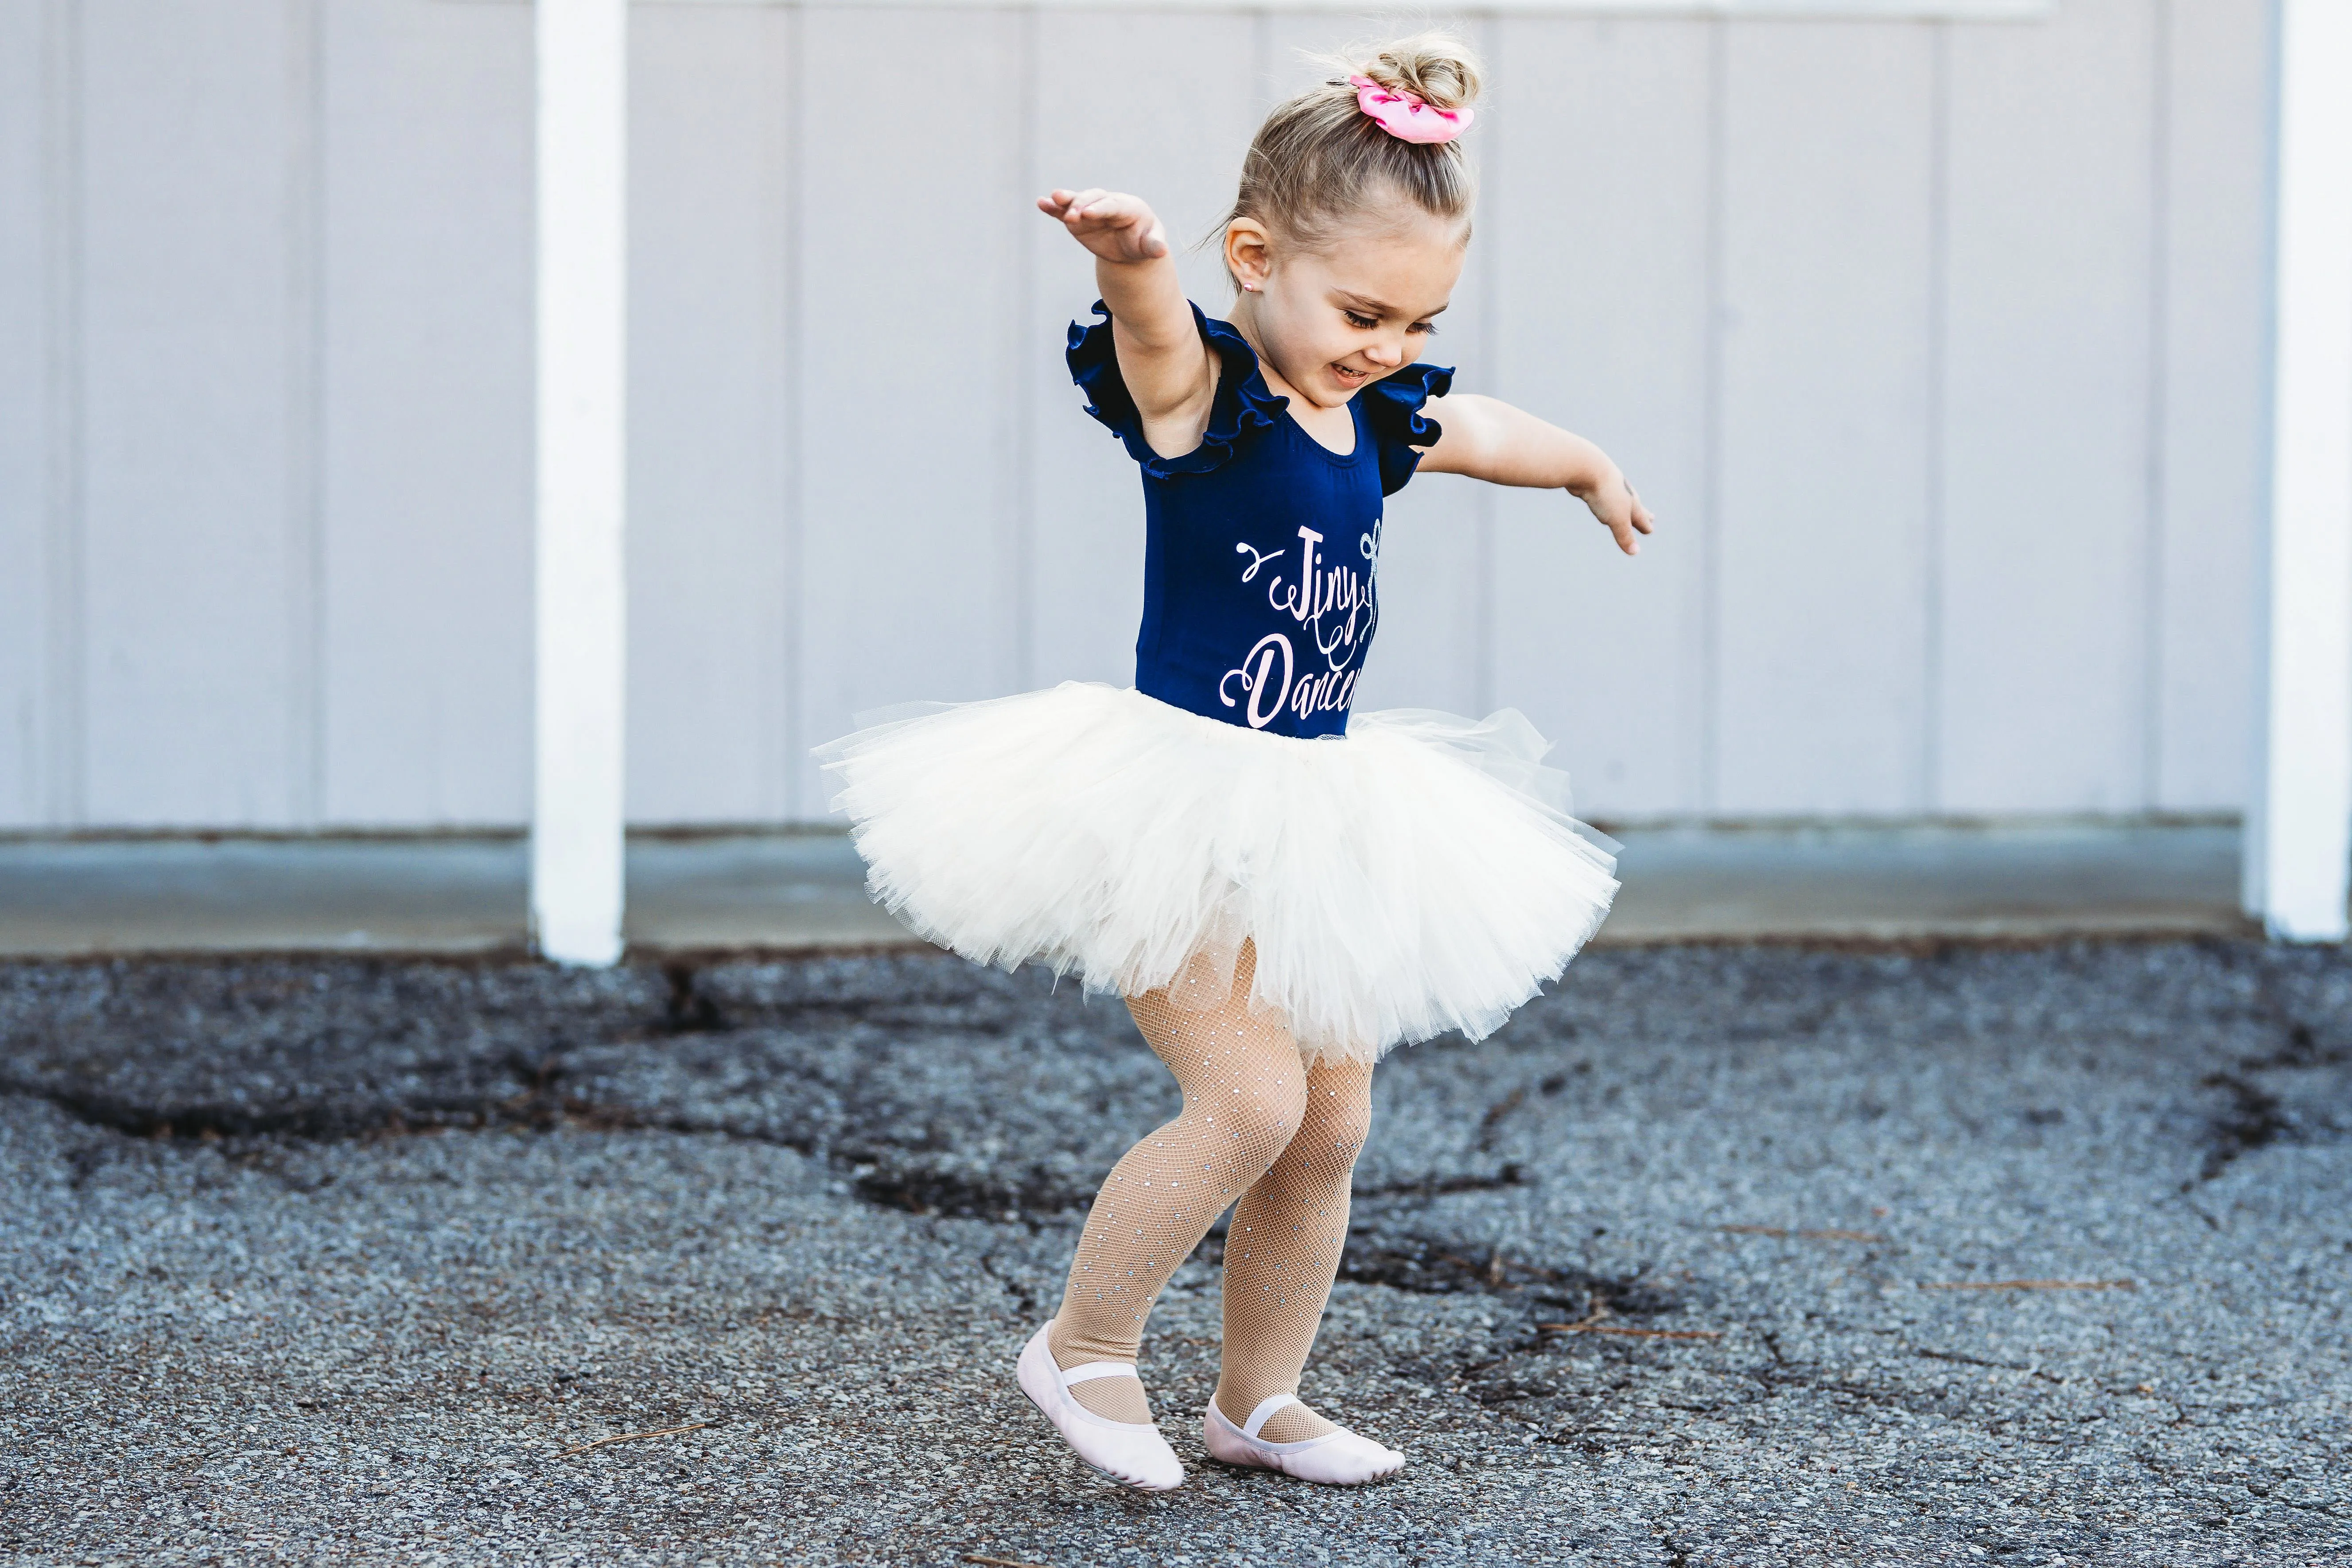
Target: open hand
x=1114 y=226
x=1612 y=500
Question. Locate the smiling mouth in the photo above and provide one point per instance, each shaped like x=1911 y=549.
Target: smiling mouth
x=1349 y=376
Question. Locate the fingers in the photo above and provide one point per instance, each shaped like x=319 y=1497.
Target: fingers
x=1099 y=209
x=1620 y=509
x=1640 y=515
x=1111 y=224
x=1067 y=205
x=1617 y=510
x=1064 y=204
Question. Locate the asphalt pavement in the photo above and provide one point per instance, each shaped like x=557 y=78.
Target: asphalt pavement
x=1720 y=1254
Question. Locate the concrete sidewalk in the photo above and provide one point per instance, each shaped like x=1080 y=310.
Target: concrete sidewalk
x=797 y=890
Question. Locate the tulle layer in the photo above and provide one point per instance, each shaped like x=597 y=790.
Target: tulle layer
x=1420 y=875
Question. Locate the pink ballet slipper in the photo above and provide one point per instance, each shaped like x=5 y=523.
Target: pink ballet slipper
x=1132 y=1452
x=1338 y=1458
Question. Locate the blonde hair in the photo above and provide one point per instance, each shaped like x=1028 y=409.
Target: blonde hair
x=1319 y=159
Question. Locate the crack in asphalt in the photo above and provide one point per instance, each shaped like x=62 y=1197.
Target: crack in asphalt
x=2255 y=1120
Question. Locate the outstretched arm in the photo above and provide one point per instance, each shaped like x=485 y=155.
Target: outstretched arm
x=1491 y=440
x=1160 y=356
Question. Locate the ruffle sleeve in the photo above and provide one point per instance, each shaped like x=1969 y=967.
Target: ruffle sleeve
x=1392 y=409
x=1243 y=404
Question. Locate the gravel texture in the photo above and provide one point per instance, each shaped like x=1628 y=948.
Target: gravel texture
x=333 y=1260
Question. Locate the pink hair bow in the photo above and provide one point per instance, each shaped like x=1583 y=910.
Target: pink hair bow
x=1406 y=117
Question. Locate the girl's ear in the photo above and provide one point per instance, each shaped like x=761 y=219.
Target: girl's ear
x=1247 y=254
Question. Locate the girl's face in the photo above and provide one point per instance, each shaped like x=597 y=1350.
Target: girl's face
x=1330 y=322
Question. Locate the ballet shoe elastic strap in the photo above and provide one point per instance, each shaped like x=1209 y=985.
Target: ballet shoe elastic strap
x=1094 y=1369
x=1264 y=1412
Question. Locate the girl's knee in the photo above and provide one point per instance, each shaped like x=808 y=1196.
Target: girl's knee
x=1339 y=1102
x=1267 y=1117
x=1348 y=1122
x=1324 y=1112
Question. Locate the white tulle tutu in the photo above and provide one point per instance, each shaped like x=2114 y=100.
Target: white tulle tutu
x=1420 y=875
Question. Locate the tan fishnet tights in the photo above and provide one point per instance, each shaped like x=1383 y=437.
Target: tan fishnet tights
x=1258 y=1125
x=1281 y=1252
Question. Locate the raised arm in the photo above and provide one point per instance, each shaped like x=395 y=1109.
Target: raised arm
x=1491 y=440
x=1161 y=358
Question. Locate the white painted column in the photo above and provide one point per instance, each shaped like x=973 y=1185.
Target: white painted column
x=576 y=804
x=2299 y=829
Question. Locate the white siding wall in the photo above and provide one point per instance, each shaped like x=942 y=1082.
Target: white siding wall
x=1936 y=345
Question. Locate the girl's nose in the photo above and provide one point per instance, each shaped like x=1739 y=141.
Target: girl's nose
x=1386 y=355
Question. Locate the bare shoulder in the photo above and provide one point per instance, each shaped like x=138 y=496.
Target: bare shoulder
x=1464 y=421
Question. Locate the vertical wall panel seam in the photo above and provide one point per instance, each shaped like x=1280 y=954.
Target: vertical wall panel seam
x=1708 y=578
x=1262 y=56
x=65 y=589
x=305 y=390
x=792 y=440
x=772 y=787
x=2253 y=868
x=1019 y=448
x=2153 y=562
x=1484 y=591
x=1934 y=543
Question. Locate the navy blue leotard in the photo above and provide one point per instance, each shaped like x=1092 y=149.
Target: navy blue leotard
x=1261 y=544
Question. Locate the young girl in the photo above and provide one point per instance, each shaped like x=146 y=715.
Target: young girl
x=1280 y=892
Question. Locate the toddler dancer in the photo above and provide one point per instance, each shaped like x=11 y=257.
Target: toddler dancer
x=1281 y=893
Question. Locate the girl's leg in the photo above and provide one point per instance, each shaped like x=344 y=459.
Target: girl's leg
x=1245 y=1090
x=1282 y=1253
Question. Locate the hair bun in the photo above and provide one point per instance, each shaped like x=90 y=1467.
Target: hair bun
x=1327 y=154
x=1436 y=67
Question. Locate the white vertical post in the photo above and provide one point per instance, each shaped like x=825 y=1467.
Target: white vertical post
x=576 y=803
x=2299 y=832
